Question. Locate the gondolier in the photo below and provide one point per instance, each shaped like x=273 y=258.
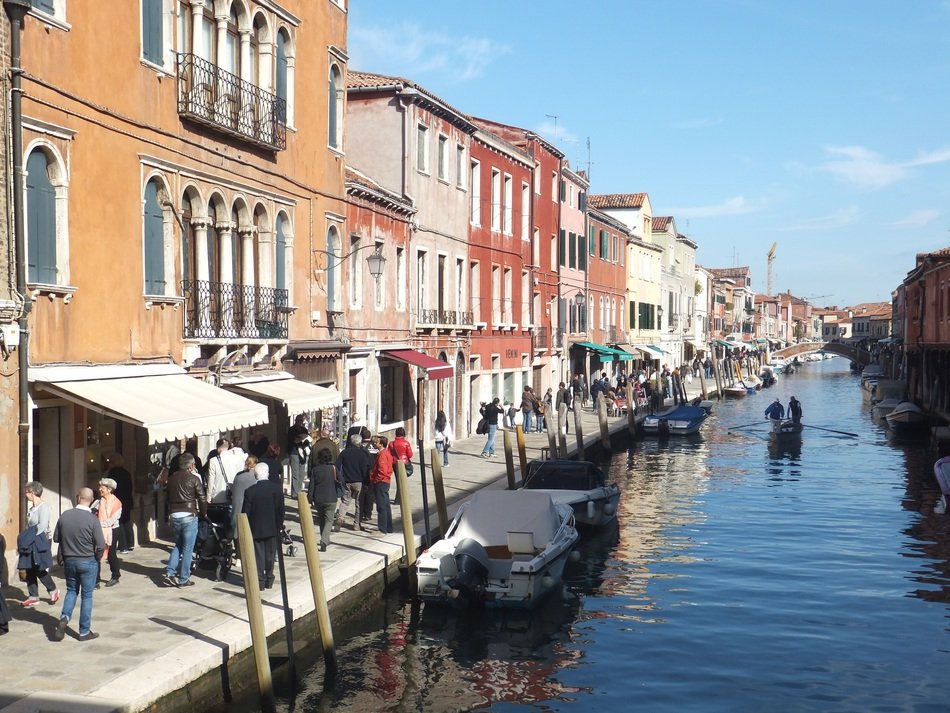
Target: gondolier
x=795 y=410
x=775 y=412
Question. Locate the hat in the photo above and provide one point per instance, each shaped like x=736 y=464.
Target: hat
x=109 y=483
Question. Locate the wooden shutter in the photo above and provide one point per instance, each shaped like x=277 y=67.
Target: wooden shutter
x=40 y=221
x=44 y=5
x=633 y=315
x=154 y=238
x=561 y=248
x=572 y=250
x=152 y=31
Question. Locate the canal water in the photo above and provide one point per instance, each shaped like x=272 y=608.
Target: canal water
x=739 y=578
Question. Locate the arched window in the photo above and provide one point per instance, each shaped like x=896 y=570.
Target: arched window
x=280 y=257
x=211 y=254
x=334 y=303
x=154 y=240
x=335 y=103
x=230 y=57
x=40 y=221
x=189 y=256
x=280 y=85
x=207 y=48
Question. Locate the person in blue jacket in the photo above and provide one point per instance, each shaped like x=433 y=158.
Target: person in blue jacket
x=775 y=411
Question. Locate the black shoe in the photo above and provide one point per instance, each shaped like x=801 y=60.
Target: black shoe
x=269 y=583
x=170 y=580
x=186 y=583
x=112 y=582
x=323 y=547
x=89 y=636
x=60 y=632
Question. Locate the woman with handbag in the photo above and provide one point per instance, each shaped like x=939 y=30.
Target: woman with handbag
x=35 y=566
x=109 y=509
x=323 y=494
x=443 y=437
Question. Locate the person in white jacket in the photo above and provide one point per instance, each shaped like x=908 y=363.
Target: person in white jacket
x=443 y=436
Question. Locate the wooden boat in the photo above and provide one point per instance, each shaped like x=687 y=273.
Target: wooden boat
x=736 y=391
x=580 y=484
x=884 y=407
x=907 y=419
x=942 y=472
x=786 y=431
x=505 y=548
x=682 y=420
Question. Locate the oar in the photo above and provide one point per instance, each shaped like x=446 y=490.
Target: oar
x=831 y=430
x=746 y=425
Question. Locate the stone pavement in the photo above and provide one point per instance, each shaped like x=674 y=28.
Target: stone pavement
x=154 y=639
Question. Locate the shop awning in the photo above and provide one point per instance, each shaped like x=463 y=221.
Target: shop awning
x=604 y=350
x=724 y=343
x=656 y=350
x=636 y=352
x=294 y=395
x=433 y=368
x=169 y=406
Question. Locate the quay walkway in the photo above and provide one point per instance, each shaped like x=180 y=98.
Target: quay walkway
x=163 y=648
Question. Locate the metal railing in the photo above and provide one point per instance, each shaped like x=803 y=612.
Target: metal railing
x=214 y=97
x=557 y=341
x=223 y=310
x=540 y=338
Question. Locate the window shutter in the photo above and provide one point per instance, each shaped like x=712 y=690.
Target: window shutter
x=154 y=230
x=581 y=254
x=572 y=250
x=563 y=189
x=633 y=315
x=582 y=200
x=40 y=221
x=44 y=5
x=593 y=241
x=561 y=248
x=280 y=279
x=152 y=31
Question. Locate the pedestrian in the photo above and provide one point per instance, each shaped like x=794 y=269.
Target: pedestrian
x=275 y=471
x=264 y=507
x=577 y=393
x=528 y=404
x=242 y=481
x=490 y=412
x=123 y=491
x=186 y=502
x=367 y=498
x=325 y=440
x=257 y=446
x=401 y=449
x=585 y=391
x=539 y=406
x=775 y=411
x=547 y=404
x=510 y=413
x=108 y=509
x=33 y=546
x=443 y=437
x=322 y=494
x=81 y=545
x=216 y=479
x=353 y=464
x=381 y=476
x=596 y=386
x=795 y=410
x=298 y=452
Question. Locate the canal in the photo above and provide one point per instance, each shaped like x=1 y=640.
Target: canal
x=739 y=578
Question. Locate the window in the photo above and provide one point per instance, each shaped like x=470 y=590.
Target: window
x=554 y=252
x=154 y=240
x=334 y=304
x=459 y=166
x=506 y=305
x=422 y=148
x=152 y=40
x=581 y=254
x=572 y=250
x=282 y=83
x=495 y=296
x=525 y=212
x=561 y=248
x=553 y=185
x=460 y=282
x=43 y=5
x=355 y=278
x=335 y=109
x=495 y=199
x=400 y=279
x=421 y=286
x=443 y=158
x=509 y=200
x=47 y=258
x=475 y=289
x=525 y=301
x=280 y=254
x=476 y=171
x=593 y=240
x=604 y=244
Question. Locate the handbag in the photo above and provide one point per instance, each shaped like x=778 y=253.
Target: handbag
x=409 y=468
x=482 y=428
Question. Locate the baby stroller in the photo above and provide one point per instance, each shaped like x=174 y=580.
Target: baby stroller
x=214 y=548
x=289 y=543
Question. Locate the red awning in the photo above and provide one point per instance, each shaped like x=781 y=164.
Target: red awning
x=433 y=368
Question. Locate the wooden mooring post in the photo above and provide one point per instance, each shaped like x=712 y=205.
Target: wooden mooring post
x=509 y=459
x=602 y=417
x=255 y=613
x=522 y=452
x=578 y=431
x=562 y=430
x=436 y=459
x=317 y=586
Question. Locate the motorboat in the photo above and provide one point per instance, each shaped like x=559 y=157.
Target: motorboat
x=767 y=375
x=682 y=420
x=504 y=548
x=942 y=472
x=580 y=484
x=786 y=431
x=883 y=407
x=907 y=418
x=736 y=391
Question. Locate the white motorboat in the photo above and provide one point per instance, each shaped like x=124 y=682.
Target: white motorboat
x=505 y=548
x=580 y=484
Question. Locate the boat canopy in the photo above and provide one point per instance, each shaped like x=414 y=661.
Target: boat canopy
x=491 y=514
x=563 y=475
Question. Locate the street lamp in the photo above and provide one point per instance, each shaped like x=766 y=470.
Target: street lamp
x=659 y=313
x=579 y=299
x=376 y=262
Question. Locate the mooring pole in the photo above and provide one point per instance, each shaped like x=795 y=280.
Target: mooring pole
x=255 y=614
x=321 y=606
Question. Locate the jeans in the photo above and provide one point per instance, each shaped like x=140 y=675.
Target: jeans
x=179 y=561
x=325 y=513
x=489 y=448
x=81 y=574
x=298 y=468
x=442 y=447
x=383 y=509
x=33 y=576
x=539 y=427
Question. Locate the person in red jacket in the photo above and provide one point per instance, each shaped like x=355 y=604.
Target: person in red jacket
x=401 y=449
x=381 y=476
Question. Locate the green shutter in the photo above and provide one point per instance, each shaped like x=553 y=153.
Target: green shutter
x=152 y=31
x=563 y=190
x=561 y=248
x=593 y=241
x=581 y=254
x=572 y=250
x=633 y=315
x=40 y=221
x=154 y=238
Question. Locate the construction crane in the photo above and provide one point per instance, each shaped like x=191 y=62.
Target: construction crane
x=771 y=258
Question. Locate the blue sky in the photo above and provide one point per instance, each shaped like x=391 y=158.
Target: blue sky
x=823 y=126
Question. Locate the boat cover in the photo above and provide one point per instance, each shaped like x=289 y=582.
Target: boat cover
x=685 y=412
x=563 y=475
x=492 y=514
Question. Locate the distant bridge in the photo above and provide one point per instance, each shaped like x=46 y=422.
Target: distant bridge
x=857 y=355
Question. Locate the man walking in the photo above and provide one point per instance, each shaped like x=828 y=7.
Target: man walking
x=186 y=501
x=491 y=412
x=81 y=545
x=298 y=452
x=264 y=507
x=353 y=466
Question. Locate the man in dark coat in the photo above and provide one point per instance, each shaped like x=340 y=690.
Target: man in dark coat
x=353 y=465
x=264 y=507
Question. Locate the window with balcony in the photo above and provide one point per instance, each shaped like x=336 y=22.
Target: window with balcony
x=46 y=218
x=355 y=278
x=280 y=253
x=400 y=279
x=222 y=86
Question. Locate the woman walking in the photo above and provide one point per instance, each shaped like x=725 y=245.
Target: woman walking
x=39 y=559
x=322 y=494
x=381 y=476
x=109 y=509
x=443 y=437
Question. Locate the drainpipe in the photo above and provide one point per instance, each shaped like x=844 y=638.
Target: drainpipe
x=16 y=10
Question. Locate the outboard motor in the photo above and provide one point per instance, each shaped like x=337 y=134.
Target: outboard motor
x=468 y=586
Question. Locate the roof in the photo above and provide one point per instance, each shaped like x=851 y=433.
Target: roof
x=358 y=183
x=662 y=223
x=606 y=201
x=356 y=80
x=729 y=271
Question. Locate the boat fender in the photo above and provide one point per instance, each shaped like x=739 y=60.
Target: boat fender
x=547 y=581
x=591 y=509
x=609 y=509
x=575 y=556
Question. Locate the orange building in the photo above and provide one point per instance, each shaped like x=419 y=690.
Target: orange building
x=184 y=172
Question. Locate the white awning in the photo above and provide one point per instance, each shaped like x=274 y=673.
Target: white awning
x=296 y=396
x=169 y=406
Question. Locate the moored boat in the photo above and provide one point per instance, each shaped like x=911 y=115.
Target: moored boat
x=884 y=407
x=682 y=420
x=786 y=431
x=735 y=391
x=503 y=549
x=942 y=472
x=907 y=419
x=580 y=484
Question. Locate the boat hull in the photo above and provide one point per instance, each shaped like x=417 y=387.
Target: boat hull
x=679 y=421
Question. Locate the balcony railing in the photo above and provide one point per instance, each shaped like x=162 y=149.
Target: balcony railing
x=214 y=97
x=221 y=310
x=557 y=341
x=616 y=336
x=540 y=338
x=445 y=318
